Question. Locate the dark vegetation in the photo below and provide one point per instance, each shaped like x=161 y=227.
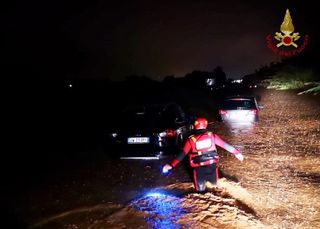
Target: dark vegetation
x=299 y=72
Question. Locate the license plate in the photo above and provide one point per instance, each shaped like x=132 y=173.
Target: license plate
x=138 y=140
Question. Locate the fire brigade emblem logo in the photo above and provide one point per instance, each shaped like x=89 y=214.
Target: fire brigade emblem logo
x=286 y=37
x=287 y=41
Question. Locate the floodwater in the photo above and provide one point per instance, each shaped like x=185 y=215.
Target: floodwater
x=276 y=186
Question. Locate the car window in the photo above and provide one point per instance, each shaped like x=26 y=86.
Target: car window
x=173 y=112
x=236 y=104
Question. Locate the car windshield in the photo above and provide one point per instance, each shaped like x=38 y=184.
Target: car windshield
x=238 y=104
x=141 y=117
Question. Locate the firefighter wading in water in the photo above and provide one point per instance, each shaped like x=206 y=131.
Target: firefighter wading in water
x=203 y=157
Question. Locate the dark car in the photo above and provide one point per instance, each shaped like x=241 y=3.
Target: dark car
x=239 y=109
x=149 y=131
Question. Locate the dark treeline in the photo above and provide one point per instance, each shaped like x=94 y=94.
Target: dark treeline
x=305 y=61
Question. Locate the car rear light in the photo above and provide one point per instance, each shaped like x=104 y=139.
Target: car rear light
x=169 y=133
x=253 y=112
x=222 y=112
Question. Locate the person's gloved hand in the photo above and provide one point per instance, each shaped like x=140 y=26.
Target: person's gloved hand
x=239 y=156
x=166 y=168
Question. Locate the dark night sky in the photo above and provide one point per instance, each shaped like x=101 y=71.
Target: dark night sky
x=89 y=39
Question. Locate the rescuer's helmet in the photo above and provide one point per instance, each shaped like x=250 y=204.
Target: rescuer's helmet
x=200 y=123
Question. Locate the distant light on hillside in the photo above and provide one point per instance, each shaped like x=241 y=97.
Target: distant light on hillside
x=210 y=81
x=237 y=81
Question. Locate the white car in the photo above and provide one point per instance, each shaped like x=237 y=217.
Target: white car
x=239 y=109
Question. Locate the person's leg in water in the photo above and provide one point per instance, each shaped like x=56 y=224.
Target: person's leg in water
x=211 y=176
x=198 y=180
x=205 y=177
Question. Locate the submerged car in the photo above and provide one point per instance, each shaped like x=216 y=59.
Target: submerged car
x=150 y=131
x=239 y=109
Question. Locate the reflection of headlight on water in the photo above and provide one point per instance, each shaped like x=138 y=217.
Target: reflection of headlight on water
x=240 y=124
x=243 y=127
x=163 y=210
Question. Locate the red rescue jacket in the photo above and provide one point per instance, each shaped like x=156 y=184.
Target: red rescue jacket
x=202 y=149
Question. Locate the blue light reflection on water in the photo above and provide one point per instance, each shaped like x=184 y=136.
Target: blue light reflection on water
x=163 y=210
x=155 y=194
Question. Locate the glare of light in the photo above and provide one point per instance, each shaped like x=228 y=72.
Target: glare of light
x=114 y=135
x=155 y=194
x=70 y=85
x=164 y=170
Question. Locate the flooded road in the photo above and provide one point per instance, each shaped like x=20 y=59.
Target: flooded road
x=282 y=166
x=276 y=186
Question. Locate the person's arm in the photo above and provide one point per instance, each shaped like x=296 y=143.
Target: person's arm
x=182 y=154
x=219 y=142
x=179 y=157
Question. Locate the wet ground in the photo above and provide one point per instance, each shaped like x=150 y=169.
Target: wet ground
x=281 y=170
x=276 y=186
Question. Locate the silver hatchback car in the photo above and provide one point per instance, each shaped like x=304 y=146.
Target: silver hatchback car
x=239 y=109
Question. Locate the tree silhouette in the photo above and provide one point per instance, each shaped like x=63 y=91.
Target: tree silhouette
x=219 y=75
